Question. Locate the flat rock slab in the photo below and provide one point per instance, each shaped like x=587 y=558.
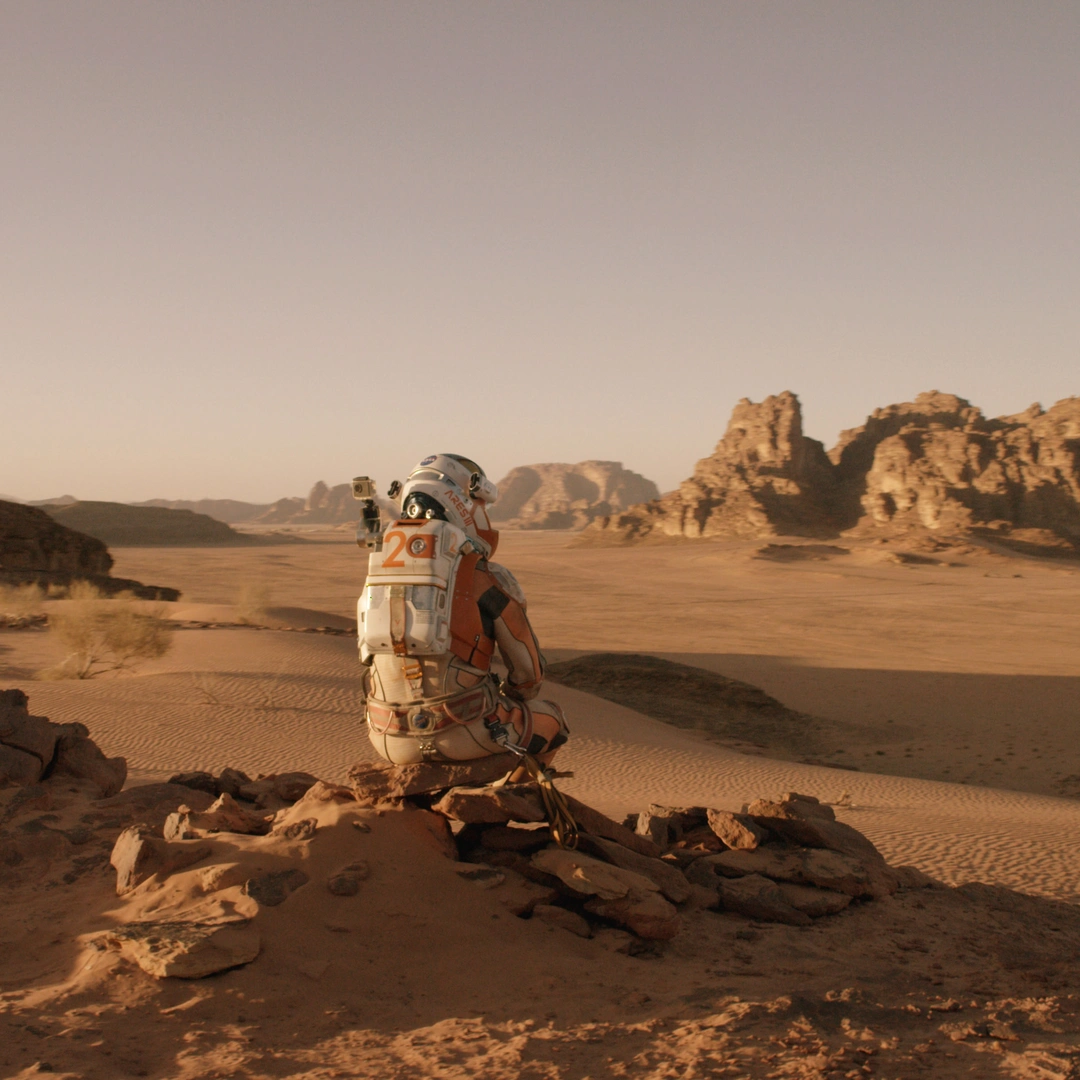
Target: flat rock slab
x=669 y=879
x=562 y=918
x=592 y=821
x=586 y=876
x=759 y=898
x=491 y=805
x=186 y=950
x=647 y=915
x=813 y=902
x=381 y=782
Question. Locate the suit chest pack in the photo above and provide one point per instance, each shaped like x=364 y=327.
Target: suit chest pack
x=406 y=605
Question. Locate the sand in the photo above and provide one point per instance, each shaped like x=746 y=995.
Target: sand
x=945 y=656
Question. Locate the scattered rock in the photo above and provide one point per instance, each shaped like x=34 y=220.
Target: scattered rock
x=486 y=877
x=562 y=918
x=285 y=788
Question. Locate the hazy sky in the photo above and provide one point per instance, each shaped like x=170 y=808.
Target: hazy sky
x=248 y=245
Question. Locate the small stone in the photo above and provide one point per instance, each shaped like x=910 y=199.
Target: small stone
x=562 y=918
x=346 y=881
x=273 y=888
x=304 y=829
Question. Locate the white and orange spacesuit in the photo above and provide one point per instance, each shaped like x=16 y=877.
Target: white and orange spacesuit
x=433 y=612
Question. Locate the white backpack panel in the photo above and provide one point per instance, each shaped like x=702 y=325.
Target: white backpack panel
x=405 y=606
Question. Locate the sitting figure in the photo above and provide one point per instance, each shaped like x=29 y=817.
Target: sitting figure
x=433 y=611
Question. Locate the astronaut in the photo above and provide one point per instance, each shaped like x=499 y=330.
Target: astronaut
x=434 y=610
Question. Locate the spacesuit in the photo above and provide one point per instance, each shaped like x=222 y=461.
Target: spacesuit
x=435 y=609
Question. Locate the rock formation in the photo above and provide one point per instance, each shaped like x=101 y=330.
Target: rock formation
x=557 y=496
x=36 y=549
x=935 y=464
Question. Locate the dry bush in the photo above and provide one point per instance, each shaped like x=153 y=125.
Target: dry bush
x=106 y=635
x=251 y=603
x=19 y=602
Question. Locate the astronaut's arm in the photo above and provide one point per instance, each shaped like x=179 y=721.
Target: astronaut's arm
x=520 y=652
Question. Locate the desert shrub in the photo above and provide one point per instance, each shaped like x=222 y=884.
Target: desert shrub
x=18 y=602
x=106 y=635
x=251 y=603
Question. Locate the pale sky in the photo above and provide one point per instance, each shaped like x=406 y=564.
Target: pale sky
x=246 y=245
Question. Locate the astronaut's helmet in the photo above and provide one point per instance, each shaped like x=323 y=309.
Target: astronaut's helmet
x=455 y=489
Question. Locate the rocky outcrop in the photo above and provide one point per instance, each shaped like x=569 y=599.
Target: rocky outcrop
x=31 y=540
x=939 y=463
x=33 y=749
x=324 y=505
x=557 y=496
x=934 y=464
x=35 y=549
x=764 y=478
x=122 y=525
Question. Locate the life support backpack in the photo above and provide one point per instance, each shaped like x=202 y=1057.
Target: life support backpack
x=408 y=597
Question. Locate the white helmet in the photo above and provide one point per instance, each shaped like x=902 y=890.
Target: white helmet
x=453 y=488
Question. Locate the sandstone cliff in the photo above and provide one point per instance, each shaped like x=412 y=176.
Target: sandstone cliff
x=557 y=496
x=935 y=464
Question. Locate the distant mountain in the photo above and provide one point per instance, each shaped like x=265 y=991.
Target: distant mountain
x=60 y=500
x=122 y=525
x=231 y=511
x=559 y=496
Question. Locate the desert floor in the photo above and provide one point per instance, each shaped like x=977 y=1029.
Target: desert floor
x=954 y=691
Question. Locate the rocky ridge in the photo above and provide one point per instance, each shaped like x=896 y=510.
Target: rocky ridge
x=936 y=466
x=35 y=549
x=559 y=496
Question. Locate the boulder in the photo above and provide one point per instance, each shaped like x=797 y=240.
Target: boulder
x=79 y=756
x=738 y=831
x=137 y=856
x=491 y=805
x=562 y=918
x=669 y=879
x=185 y=950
